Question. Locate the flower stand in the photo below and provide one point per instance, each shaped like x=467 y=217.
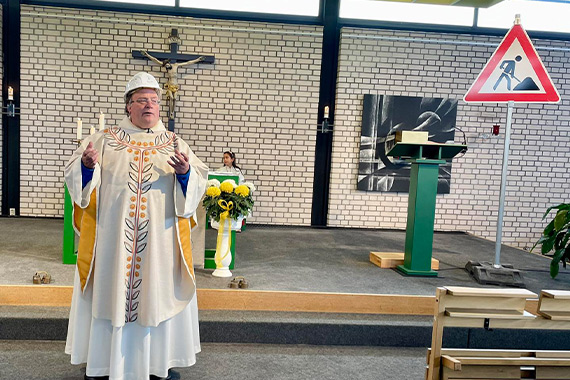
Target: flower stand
x=223 y=256
x=225 y=201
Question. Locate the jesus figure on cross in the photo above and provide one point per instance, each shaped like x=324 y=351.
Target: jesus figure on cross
x=171 y=85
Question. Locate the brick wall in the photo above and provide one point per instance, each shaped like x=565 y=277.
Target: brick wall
x=429 y=65
x=258 y=99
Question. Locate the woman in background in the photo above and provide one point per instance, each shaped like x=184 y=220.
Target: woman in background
x=230 y=166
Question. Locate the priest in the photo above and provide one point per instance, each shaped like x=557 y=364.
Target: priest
x=135 y=189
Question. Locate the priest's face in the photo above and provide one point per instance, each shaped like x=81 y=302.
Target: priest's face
x=144 y=108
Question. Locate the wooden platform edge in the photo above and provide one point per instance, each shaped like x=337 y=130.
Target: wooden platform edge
x=219 y=299
x=253 y=300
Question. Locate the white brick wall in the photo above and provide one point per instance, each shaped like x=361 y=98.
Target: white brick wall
x=388 y=62
x=258 y=99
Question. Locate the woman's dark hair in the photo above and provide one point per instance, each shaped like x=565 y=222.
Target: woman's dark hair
x=233 y=157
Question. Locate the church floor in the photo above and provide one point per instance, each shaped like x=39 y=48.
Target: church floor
x=274 y=345
x=45 y=360
x=291 y=259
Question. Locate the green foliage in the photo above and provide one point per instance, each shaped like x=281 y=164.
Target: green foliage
x=242 y=206
x=555 y=238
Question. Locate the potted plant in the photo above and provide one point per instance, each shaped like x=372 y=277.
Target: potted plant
x=555 y=238
x=227 y=204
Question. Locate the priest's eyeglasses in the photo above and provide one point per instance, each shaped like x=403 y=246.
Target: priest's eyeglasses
x=144 y=101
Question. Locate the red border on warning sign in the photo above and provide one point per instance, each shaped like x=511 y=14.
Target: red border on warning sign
x=549 y=96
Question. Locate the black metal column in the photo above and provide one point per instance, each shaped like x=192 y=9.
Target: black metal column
x=11 y=124
x=327 y=96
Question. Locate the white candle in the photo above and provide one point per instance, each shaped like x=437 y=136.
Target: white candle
x=101 y=121
x=10 y=93
x=92 y=130
x=79 y=128
x=326 y=112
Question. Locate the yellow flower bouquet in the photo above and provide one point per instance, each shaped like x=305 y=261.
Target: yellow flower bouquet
x=228 y=197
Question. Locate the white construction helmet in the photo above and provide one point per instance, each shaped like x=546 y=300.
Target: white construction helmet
x=142 y=80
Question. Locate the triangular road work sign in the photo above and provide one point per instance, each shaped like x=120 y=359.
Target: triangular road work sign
x=514 y=72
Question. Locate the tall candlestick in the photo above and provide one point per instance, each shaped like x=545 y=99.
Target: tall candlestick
x=101 y=121
x=79 y=128
x=92 y=130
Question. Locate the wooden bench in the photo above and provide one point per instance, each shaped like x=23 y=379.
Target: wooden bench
x=555 y=305
x=501 y=309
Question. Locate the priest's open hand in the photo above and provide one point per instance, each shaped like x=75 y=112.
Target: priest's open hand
x=90 y=156
x=180 y=162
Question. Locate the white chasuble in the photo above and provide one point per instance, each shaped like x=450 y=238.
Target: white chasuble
x=134 y=257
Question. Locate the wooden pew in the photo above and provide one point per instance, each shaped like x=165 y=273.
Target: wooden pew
x=555 y=305
x=497 y=308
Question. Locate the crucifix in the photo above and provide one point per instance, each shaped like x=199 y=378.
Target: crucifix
x=171 y=61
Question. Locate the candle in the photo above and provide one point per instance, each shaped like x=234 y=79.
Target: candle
x=101 y=121
x=79 y=128
x=326 y=112
x=10 y=93
x=92 y=130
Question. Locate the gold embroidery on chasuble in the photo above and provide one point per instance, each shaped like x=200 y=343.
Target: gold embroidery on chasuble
x=141 y=154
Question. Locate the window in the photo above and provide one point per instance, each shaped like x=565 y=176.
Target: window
x=407 y=12
x=539 y=15
x=289 y=7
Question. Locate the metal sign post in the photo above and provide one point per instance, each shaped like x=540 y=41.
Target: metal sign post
x=503 y=185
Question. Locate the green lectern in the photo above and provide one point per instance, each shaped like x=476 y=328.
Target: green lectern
x=425 y=159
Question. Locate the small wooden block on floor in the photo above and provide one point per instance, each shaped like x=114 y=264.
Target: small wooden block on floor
x=387 y=260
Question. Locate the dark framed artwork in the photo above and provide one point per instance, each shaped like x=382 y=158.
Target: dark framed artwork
x=383 y=116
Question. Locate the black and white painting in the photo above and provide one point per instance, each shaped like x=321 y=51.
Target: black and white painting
x=383 y=116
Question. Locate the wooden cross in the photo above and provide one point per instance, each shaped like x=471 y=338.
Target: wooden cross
x=171 y=61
